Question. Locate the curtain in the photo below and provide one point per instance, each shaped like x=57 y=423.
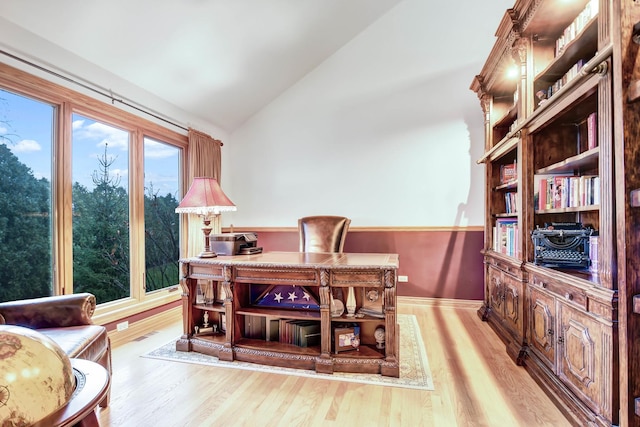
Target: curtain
x=204 y=160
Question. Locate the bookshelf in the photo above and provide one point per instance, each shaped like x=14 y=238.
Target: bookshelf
x=566 y=125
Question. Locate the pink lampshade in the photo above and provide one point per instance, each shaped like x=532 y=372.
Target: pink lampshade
x=205 y=197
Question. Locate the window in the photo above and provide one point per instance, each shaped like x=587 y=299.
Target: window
x=25 y=197
x=100 y=209
x=161 y=197
x=87 y=199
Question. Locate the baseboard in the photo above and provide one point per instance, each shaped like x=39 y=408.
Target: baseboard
x=440 y=302
x=145 y=326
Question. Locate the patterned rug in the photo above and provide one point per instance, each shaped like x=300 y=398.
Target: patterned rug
x=414 y=366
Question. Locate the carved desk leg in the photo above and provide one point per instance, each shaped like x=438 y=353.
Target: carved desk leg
x=391 y=365
x=226 y=353
x=183 y=344
x=324 y=362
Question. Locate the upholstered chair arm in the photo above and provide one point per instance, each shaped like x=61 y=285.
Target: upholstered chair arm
x=50 y=312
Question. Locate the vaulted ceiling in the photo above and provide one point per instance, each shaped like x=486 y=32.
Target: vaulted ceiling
x=220 y=60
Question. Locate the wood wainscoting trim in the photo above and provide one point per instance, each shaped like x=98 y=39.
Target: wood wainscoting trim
x=439 y=302
x=353 y=229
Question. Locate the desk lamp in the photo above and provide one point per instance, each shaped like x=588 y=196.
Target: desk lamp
x=205 y=198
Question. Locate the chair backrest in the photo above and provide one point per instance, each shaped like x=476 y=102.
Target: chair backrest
x=323 y=233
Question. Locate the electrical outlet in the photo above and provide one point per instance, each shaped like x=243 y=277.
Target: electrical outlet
x=403 y=278
x=123 y=325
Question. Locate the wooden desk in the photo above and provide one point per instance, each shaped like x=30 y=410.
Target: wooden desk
x=227 y=291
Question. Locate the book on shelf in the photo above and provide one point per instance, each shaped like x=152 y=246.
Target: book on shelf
x=510 y=200
x=563 y=191
x=593 y=253
x=559 y=192
x=506 y=236
x=508 y=173
x=303 y=333
x=592 y=131
x=254 y=327
x=573 y=72
x=272 y=329
x=577 y=25
x=309 y=334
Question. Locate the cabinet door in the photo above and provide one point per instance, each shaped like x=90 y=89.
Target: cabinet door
x=496 y=293
x=512 y=288
x=585 y=358
x=541 y=326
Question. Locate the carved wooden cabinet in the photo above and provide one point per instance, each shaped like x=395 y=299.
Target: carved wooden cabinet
x=543 y=330
x=504 y=309
x=585 y=358
x=562 y=137
x=571 y=337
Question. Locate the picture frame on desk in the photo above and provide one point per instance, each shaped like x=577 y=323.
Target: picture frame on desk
x=347 y=339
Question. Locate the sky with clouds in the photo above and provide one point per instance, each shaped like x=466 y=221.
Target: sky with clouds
x=28 y=125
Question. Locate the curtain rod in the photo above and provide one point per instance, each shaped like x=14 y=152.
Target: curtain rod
x=93 y=89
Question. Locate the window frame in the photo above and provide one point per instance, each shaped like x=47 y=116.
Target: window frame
x=66 y=102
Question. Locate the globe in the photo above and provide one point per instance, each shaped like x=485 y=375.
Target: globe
x=36 y=377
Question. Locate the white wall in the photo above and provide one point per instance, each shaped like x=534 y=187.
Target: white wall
x=386 y=131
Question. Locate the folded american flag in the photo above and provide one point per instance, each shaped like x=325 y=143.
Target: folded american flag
x=288 y=296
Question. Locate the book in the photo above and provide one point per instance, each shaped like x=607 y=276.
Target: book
x=506 y=238
x=510 y=200
x=309 y=334
x=593 y=253
x=592 y=131
x=542 y=194
x=508 y=173
x=559 y=191
x=563 y=191
x=272 y=327
x=303 y=333
x=254 y=327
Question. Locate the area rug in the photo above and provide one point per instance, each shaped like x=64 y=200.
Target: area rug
x=414 y=366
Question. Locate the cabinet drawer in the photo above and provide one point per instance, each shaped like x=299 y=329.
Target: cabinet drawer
x=563 y=291
x=276 y=275
x=506 y=267
x=369 y=278
x=212 y=272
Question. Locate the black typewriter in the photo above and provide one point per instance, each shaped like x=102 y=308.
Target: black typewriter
x=562 y=245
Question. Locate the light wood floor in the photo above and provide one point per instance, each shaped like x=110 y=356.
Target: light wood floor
x=476 y=384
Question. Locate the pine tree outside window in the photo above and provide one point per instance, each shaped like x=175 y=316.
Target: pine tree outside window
x=87 y=199
x=101 y=249
x=25 y=197
x=162 y=224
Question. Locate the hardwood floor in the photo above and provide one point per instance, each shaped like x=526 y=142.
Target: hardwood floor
x=476 y=384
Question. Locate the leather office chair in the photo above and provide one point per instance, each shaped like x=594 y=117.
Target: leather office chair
x=323 y=233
